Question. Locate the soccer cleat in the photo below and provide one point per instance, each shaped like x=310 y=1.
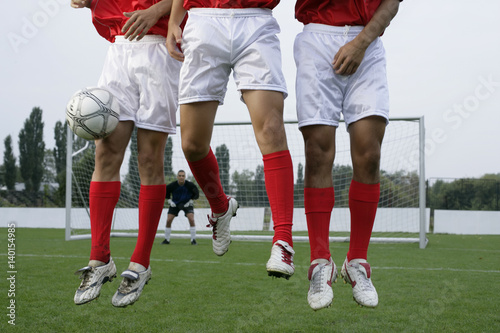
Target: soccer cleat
x=321 y=274
x=221 y=233
x=165 y=242
x=131 y=287
x=281 y=262
x=358 y=272
x=92 y=280
x=193 y=242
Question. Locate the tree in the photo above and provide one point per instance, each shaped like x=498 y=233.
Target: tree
x=79 y=143
x=299 y=187
x=60 y=160
x=9 y=163
x=342 y=175
x=60 y=148
x=132 y=182
x=261 y=199
x=2 y=175
x=49 y=167
x=32 y=150
x=222 y=156
x=244 y=184
x=167 y=160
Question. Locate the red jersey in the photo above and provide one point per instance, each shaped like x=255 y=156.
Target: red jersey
x=188 y=4
x=336 y=12
x=108 y=18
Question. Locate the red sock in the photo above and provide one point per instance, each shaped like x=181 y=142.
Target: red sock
x=318 y=203
x=103 y=197
x=151 y=200
x=363 y=202
x=206 y=173
x=278 y=171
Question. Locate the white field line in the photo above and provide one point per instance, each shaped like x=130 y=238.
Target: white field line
x=445 y=249
x=450 y=269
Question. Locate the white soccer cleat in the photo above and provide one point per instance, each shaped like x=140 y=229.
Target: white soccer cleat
x=131 y=287
x=92 y=280
x=358 y=273
x=321 y=274
x=221 y=233
x=281 y=262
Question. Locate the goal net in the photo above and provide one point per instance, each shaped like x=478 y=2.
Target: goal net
x=401 y=216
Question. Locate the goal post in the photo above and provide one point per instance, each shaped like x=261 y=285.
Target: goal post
x=401 y=215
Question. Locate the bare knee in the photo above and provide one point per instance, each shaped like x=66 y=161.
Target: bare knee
x=194 y=150
x=150 y=168
x=108 y=160
x=366 y=167
x=320 y=152
x=270 y=135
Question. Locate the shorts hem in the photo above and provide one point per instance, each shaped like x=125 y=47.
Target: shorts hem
x=190 y=100
x=163 y=129
x=317 y=122
x=366 y=115
x=126 y=118
x=264 y=87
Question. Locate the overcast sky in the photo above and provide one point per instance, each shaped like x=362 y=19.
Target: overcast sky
x=443 y=64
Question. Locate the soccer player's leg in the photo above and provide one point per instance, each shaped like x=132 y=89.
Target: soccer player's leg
x=197 y=120
x=366 y=139
x=266 y=113
x=103 y=197
x=172 y=213
x=192 y=226
x=319 y=199
x=150 y=149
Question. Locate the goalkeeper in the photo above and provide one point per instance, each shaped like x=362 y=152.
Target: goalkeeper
x=183 y=192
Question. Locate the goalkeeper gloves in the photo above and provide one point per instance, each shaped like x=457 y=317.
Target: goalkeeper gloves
x=171 y=203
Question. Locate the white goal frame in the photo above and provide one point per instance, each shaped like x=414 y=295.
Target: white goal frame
x=423 y=213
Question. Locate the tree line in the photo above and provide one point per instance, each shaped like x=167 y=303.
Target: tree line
x=41 y=173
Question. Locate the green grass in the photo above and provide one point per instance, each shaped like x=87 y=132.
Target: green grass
x=452 y=286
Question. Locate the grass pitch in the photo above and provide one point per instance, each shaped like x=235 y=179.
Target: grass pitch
x=451 y=286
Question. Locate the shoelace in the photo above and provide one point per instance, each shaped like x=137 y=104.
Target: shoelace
x=126 y=286
x=317 y=286
x=362 y=280
x=86 y=278
x=286 y=256
x=213 y=224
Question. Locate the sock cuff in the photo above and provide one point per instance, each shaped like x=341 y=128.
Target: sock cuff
x=209 y=156
x=277 y=160
x=153 y=192
x=319 y=200
x=364 y=192
x=105 y=189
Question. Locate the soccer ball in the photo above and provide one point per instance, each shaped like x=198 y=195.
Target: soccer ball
x=92 y=113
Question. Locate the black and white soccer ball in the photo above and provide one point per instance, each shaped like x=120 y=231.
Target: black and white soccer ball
x=93 y=113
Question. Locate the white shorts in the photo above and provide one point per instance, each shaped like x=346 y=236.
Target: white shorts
x=217 y=40
x=145 y=79
x=322 y=95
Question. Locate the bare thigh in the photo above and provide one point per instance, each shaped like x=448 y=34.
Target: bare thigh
x=319 y=144
x=109 y=153
x=197 y=122
x=266 y=112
